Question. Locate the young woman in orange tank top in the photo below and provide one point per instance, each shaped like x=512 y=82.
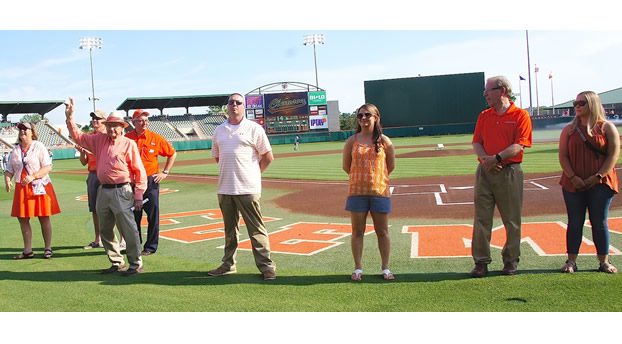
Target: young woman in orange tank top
x=588 y=151
x=369 y=158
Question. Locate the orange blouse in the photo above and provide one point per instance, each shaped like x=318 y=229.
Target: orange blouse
x=369 y=175
x=585 y=162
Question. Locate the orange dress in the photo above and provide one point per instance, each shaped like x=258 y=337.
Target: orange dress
x=27 y=204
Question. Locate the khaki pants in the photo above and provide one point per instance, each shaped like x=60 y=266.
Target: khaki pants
x=113 y=207
x=505 y=189
x=247 y=205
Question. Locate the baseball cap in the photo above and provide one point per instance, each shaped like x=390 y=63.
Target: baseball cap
x=98 y=114
x=24 y=125
x=139 y=112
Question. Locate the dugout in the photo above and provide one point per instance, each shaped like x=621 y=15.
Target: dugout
x=453 y=99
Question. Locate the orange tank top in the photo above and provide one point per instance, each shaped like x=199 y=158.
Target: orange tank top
x=368 y=171
x=584 y=161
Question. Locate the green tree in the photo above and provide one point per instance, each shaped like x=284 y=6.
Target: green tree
x=31 y=118
x=347 y=121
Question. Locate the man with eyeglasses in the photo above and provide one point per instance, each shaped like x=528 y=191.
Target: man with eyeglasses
x=151 y=145
x=242 y=151
x=501 y=133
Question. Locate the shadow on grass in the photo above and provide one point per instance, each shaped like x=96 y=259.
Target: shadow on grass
x=191 y=278
x=9 y=253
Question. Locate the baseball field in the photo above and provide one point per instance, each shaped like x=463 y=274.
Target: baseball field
x=302 y=202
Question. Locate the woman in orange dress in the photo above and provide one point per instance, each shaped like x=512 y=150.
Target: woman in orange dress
x=29 y=165
x=369 y=158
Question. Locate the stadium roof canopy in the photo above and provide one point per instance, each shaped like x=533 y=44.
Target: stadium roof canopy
x=610 y=97
x=40 y=107
x=161 y=103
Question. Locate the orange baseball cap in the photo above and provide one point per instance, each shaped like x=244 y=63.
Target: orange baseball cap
x=139 y=112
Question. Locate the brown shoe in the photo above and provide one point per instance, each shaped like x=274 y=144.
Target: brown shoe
x=269 y=275
x=132 y=271
x=222 y=270
x=510 y=269
x=480 y=270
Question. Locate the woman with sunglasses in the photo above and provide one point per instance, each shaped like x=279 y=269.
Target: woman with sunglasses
x=369 y=158
x=588 y=150
x=29 y=165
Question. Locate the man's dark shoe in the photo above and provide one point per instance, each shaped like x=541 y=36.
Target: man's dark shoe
x=510 y=269
x=480 y=270
x=269 y=275
x=222 y=270
x=146 y=253
x=132 y=271
x=110 y=270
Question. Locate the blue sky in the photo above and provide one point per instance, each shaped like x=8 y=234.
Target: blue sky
x=47 y=64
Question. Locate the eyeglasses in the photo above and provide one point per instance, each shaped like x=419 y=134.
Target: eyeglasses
x=235 y=102
x=361 y=115
x=492 y=89
x=579 y=103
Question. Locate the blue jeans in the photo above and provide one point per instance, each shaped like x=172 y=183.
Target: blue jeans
x=597 y=201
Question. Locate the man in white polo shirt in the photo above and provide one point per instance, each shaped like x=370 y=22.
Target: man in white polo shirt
x=242 y=151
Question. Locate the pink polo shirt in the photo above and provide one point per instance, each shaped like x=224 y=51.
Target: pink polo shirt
x=117 y=161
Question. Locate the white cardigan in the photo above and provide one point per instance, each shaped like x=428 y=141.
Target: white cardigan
x=36 y=157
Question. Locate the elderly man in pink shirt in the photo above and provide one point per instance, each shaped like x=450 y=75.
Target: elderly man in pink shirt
x=118 y=167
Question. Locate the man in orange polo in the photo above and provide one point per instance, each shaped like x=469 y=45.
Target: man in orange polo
x=501 y=133
x=151 y=145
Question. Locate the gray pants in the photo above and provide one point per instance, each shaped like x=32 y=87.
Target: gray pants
x=113 y=207
x=505 y=189
x=231 y=207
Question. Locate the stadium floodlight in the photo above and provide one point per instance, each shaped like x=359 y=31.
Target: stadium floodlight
x=91 y=43
x=314 y=40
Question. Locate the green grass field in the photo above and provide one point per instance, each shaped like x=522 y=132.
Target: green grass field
x=175 y=278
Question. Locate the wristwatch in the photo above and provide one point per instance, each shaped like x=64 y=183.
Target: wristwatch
x=165 y=171
x=600 y=176
x=498 y=157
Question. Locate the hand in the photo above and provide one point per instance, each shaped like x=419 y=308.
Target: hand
x=489 y=162
x=590 y=181
x=578 y=183
x=27 y=180
x=158 y=177
x=138 y=205
x=8 y=186
x=69 y=108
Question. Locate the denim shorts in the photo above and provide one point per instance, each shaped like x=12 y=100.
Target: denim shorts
x=363 y=204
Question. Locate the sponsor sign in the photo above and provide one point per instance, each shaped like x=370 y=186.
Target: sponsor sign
x=286 y=104
x=254 y=101
x=317 y=98
x=318 y=122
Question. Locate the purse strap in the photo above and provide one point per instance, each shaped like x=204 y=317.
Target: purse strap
x=589 y=145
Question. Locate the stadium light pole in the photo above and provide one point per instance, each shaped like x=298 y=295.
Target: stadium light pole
x=314 y=40
x=552 y=98
x=91 y=43
x=536 y=70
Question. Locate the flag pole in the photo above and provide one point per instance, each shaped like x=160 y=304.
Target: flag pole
x=529 y=70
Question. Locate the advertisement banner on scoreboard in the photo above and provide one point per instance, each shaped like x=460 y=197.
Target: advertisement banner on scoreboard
x=254 y=101
x=318 y=122
x=286 y=104
x=317 y=98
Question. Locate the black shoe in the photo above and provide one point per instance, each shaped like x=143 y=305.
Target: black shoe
x=147 y=253
x=132 y=271
x=480 y=270
x=510 y=269
x=110 y=270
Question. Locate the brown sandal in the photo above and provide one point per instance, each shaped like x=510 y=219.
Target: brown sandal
x=25 y=255
x=570 y=267
x=47 y=253
x=607 y=267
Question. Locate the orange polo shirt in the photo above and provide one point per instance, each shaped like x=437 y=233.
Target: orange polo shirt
x=496 y=132
x=151 y=145
x=91 y=162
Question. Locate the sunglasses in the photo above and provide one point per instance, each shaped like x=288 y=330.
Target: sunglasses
x=579 y=102
x=361 y=115
x=235 y=102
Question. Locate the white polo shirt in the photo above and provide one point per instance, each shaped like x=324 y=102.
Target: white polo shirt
x=239 y=149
